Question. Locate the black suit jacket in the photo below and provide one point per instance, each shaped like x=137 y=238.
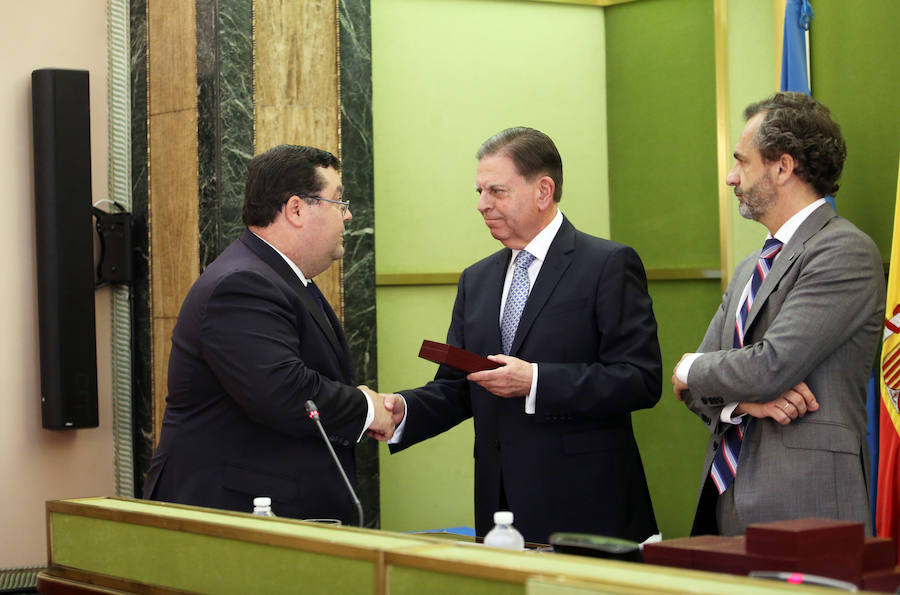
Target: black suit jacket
x=574 y=465
x=250 y=347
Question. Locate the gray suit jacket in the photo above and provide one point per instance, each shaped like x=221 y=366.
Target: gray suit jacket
x=817 y=318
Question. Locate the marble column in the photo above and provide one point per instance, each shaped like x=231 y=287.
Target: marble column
x=359 y=258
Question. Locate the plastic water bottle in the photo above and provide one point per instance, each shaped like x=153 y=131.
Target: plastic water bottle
x=262 y=506
x=504 y=535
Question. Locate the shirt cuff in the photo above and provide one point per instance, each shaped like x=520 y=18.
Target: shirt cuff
x=532 y=394
x=726 y=414
x=398 y=431
x=681 y=372
x=370 y=414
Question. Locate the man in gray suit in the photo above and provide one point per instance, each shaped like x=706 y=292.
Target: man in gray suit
x=780 y=376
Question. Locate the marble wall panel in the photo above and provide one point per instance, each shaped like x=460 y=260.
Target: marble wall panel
x=359 y=255
x=296 y=97
x=225 y=119
x=141 y=388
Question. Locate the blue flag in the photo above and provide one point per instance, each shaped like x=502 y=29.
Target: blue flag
x=794 y=76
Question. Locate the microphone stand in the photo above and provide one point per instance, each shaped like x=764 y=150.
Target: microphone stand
x=314 y=415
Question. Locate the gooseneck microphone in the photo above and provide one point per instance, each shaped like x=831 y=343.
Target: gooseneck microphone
x=314 y=415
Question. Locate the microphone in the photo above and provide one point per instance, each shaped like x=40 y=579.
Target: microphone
x=314 y=415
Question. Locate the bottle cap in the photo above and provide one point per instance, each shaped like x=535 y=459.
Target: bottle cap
x=262 y=501
x=503 y=517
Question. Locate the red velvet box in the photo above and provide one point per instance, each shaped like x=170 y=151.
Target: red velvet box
x=686 y=552
x=455 y=357
x=879 y=553
x=729 y=554
x=886 y=580
x=806 y=538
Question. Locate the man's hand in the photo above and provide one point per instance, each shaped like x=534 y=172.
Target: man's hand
x=383 y=425
x=512 y=379
x=790 y=405
x=396 y=405
x=677 y=385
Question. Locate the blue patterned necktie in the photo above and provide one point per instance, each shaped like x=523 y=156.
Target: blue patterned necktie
x=724 y=465
x=515 y=300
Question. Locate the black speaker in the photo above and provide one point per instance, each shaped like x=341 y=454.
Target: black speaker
x=65 y=245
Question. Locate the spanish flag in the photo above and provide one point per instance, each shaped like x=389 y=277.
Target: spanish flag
x=887 y=511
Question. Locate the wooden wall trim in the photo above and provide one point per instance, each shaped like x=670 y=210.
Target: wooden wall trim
x=723 y=141
x=296 y=86
x=172 y=176
x=423 y=279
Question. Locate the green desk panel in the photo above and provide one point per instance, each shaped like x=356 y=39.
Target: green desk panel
x=413 y=581
x=201 y=563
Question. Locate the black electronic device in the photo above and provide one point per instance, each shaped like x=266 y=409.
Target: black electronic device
x=64 y=246
x=596 y=546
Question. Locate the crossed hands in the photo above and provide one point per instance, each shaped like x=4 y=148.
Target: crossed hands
x=389 y=411
x=792 y=404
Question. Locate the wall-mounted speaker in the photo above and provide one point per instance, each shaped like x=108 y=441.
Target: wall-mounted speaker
x=65 y=259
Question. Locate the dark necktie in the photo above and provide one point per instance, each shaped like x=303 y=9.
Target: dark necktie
x=317 y=295
x=725 y=461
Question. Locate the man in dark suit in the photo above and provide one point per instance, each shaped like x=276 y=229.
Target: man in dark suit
x=780 y=376
x=254 y=341
x=569 y=318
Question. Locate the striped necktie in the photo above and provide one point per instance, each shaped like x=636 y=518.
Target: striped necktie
x=724 y=465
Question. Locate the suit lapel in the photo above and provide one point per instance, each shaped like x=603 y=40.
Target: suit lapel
x=558 y=260
x=277 y=263
x=795 y=246
x=341 y=346
x=493 y=294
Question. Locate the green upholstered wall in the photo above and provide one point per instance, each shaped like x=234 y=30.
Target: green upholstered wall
x=664 y=202
x=662 y=131
x=856 y=72
x=751 y=76
x=447 y=75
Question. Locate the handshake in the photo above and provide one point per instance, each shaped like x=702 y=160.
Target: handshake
x=389 y=411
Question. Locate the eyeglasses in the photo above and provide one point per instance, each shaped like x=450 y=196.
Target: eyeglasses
x=344 y=205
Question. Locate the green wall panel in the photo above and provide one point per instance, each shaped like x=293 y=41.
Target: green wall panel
x=662 y=131
x=664 y=202
x=856 y=72
x=430 y=485
x=751 y=77
x=671 y=438
x=447 y=75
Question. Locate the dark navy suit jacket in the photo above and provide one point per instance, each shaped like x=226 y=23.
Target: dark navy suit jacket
x=574 y=465
x=249 y=348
